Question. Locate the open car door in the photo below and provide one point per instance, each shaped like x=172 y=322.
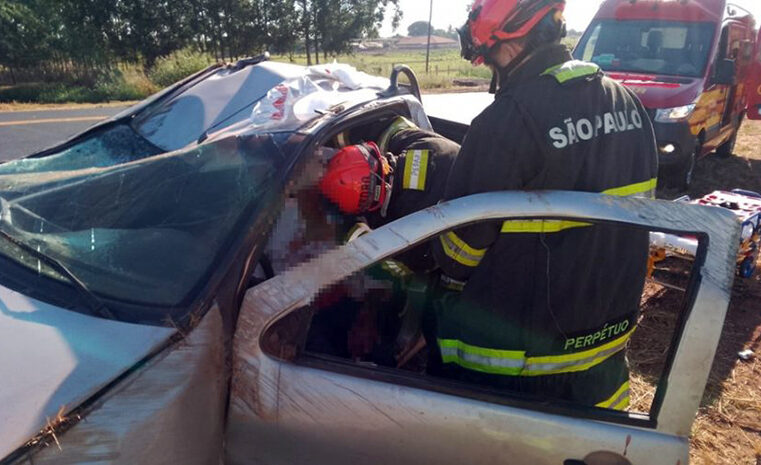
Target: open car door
x=290 y=407
x=754 y=83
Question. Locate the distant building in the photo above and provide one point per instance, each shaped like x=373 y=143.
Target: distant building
x=417 y=43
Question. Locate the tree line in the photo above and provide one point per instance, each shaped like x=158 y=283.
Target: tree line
x=80 y=37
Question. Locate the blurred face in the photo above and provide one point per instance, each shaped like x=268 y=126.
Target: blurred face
x=505 y=52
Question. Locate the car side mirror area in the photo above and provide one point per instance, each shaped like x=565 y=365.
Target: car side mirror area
x=725 y=73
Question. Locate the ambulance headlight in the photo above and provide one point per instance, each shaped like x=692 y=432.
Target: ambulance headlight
x=674 y=115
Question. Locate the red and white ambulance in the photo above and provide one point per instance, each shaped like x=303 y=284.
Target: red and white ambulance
x=690 y=62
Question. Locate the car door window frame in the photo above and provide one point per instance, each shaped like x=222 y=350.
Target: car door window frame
x=708 y=265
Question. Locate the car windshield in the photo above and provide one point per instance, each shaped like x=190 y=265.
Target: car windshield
x=652 y=47
x=146 y=232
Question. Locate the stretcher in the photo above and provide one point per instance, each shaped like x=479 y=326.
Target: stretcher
x=745 y=204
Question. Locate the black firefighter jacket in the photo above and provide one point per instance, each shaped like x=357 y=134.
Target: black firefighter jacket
x=548 y=306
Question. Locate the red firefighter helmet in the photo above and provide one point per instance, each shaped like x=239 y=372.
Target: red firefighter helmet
x=493 y=21
x=356 y=179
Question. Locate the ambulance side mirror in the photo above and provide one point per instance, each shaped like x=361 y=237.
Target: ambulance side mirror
x=726 y=73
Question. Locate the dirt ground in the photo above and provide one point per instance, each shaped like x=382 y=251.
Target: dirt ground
x=728 y=427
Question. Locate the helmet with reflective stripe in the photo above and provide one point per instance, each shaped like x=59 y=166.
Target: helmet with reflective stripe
x=356 y=179
x=494 y=21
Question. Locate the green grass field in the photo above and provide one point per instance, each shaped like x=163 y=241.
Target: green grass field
x=444 y=65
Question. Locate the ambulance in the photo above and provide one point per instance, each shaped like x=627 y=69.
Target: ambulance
x=692 y=64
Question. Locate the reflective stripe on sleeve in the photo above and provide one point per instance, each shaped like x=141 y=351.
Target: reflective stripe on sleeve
x=356 y=231
x=459 y=251
x=571 y=70
x=515 y=363
x=415 y=169
x=401 y=123
x=496 y=362
x=619 y=400
x=342 y=139
x=452 y=284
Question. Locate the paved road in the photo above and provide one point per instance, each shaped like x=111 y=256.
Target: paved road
x=26 y=132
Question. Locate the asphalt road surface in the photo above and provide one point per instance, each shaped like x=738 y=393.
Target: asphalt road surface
x=25 y=132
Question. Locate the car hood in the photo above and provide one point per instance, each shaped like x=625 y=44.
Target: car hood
x=661 y=91
x=54 y=359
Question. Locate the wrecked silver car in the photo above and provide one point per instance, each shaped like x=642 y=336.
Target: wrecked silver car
x=161 y=272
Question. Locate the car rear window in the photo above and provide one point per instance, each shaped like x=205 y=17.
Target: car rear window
x=221 y=100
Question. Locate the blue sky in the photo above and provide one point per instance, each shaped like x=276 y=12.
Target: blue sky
x=452 y=12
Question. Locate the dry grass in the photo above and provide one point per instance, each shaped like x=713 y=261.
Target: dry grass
x=60 y=106
x=727 y=429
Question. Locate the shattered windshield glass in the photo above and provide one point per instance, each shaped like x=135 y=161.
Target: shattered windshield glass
x=145 y=232
x=112 y=146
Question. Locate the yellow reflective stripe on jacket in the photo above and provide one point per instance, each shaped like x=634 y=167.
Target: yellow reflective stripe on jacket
x=642 y=189
x=540 y=226
x=496 y=362
x=577 y=361
x=452 y=284
x=357 y=231
x=515 y=363
x=401 y=123
x=459 y=251
x=646 y=188
x=395 y=268
x=619 y=400
x=571 y=70
x=415 y=169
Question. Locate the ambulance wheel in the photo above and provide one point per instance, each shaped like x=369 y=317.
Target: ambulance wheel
x=747 y=267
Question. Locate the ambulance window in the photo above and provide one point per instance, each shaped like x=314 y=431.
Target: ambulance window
x=589 y=48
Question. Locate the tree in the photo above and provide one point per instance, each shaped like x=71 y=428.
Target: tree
x=418 y=29
x=328 y=26
x=86 y=37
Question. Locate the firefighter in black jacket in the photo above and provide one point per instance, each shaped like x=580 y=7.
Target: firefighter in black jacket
x=404 y=173
x=546 y=307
